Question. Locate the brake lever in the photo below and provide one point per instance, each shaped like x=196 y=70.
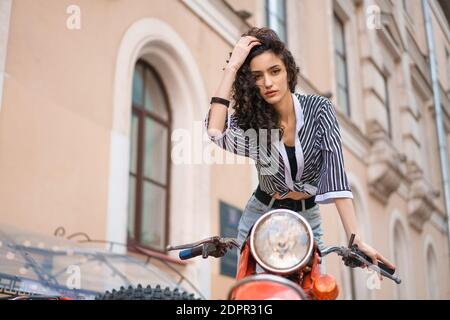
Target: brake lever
x=192 y=245
x=213 y=246
x=355 y=254
x=221 y=245
x=376 y=268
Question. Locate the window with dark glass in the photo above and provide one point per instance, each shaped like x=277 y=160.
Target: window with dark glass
x=406 y=7
x=447 y=55
x=276 y=17
x=148 y=196
x=340 y=58
x=387 y=105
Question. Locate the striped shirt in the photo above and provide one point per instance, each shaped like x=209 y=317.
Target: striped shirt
x=318 y=151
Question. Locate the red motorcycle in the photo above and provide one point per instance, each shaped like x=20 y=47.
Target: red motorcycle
x=281 y=242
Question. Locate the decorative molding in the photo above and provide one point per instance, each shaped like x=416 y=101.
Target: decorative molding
x=363 y=216
x=159 y=44
x=343 y=9
x=390 y=43
x=420 y=82
x=220 y=17
x=440 y=17
x=408 y=281
x=353 y=138
x=438 y=221
x=418 y=60
x=5 y=16
x=373 y=62
x=390 y=34
x=361 y=197
x=445 y=102
x=432 y=269
x=306 y=86
x=410 y=26
x=385 y=167
x=371 y=90
x=420 y=202
x=403 y=191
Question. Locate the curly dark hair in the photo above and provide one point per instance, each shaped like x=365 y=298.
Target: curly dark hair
x=251 y=110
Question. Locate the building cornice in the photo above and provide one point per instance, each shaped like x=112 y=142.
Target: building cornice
x=220 y=16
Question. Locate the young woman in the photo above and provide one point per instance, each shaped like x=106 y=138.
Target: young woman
x=305 y=161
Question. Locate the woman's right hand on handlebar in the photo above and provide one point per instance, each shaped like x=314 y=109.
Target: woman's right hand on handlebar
x=241 y=51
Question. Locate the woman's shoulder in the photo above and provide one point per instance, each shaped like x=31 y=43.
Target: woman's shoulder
x=312 y=100
x=312 y=104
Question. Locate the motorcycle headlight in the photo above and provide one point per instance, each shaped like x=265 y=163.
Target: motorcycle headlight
x=281 y=241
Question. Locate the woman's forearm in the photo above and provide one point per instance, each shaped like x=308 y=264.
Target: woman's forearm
x=218 y=111
x=348 y=217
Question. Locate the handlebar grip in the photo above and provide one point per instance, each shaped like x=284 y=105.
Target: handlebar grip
x=381 y=265
x=191 y=253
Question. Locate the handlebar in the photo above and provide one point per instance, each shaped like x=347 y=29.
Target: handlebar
x=353 y=257
x=191 y=253
x=217 y=247
x=214 y=246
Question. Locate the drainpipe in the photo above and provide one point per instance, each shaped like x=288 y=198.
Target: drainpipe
x=438 y=111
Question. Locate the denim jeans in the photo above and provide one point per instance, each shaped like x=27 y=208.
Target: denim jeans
x=255 y=209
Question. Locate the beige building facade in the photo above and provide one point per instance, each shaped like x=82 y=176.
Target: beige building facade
x=97 y=95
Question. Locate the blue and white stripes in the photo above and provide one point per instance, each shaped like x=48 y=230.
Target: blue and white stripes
x=318 y=149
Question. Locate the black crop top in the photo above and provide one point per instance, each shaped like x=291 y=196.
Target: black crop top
x=292 y=160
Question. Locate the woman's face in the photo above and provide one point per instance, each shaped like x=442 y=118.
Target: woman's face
x=270 y=76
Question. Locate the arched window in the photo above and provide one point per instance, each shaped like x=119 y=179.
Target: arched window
x=431 y=274
x=149 y=184
x=400 y=259
x=355 y=278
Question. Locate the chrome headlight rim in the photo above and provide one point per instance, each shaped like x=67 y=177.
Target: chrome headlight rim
x=302 y=262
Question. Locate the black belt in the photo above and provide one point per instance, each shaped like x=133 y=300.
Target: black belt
x=291 y=204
